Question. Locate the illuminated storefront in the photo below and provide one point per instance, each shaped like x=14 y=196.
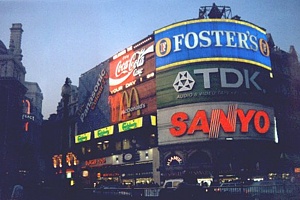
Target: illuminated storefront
x=118 y=131
x=195 y=96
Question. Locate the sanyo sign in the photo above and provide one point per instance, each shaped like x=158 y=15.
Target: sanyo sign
x=211 y=40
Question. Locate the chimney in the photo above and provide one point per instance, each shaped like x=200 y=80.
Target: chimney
x=15 y=40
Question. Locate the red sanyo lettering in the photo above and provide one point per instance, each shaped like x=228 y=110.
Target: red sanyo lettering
x=219 y=119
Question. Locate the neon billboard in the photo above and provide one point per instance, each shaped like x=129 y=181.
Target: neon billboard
x=211 y=40
x=102 y=132
x=217 y=121
x=131 y=66
x=27 y=116
x=213 y=81
x=83 y=137
x=132 y=87
x=131 y=124
x=134 y=102
x=93 y=110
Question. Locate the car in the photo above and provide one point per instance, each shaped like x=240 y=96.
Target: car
x=172 y=183
x=168 y=188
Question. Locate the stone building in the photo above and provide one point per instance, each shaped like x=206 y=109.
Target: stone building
x=20 y=107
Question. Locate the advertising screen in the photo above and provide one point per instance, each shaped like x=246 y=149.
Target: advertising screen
x=211 y=40
x=93 y=92
x=137 y=101
x=213 y=81
x=132 y=66
x=217 y=121
x=132 y=82
x=83 y=137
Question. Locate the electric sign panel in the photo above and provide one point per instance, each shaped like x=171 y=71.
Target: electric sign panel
x=93 y=92
x=213 y=81
x=132 y=66
x=216 y=121
x=133 y=102
x=83 y=137
x=211 y=40
x=132 y=82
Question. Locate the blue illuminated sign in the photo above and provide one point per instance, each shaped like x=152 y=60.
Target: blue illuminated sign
x=211 y=40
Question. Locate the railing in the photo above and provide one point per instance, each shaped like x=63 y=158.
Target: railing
x=272 y=190
x=196 y=192
x=130 y=192
x=278 y=190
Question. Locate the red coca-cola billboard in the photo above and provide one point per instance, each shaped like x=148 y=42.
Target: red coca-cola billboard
x=129 y=67
x=132 y=82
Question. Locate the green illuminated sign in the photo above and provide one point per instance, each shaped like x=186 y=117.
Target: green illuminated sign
x=104 y=132
x=83 y=137
x=131 y=124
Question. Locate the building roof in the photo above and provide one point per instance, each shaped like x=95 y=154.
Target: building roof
x=3 y=49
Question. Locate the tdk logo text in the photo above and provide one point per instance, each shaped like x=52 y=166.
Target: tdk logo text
x=185 y=82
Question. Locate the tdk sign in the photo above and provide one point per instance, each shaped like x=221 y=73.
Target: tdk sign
x=185 y=82
x=211 y=40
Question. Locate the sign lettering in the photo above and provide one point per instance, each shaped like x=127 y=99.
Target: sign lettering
x=28 y=117
x=131 y=124
x=218 y=119
x=211 y=40
x=241 y=77
x=129 y=65
x=95 y=162
x=104 y=132
x=173 y=159
x=83 y=137
x=96 y=94
x=124 y=104
x=203 y=39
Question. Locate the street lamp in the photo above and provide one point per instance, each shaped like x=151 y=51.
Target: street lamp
x=65 y=94
x=134 y=159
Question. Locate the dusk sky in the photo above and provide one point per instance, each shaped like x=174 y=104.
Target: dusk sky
x=65 y=38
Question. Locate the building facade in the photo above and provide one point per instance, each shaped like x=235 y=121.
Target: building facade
x=32 y=118
x=58 y=140
x=117 y=139
x=211 y=97
x=215 y=111
x=21 y=118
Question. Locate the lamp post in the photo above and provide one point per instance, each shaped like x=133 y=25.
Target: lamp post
x=134 y=159
x=65 y=94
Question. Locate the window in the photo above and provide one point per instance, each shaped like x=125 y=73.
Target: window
x=105 y=145
x=126 y=144
x=99 y=146
x=83 y=150
x=118 y=146
x=102 y=146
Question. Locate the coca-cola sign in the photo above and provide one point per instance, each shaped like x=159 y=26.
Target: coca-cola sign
x=127 y=68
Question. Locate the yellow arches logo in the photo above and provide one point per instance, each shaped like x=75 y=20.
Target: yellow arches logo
x=130 y=103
